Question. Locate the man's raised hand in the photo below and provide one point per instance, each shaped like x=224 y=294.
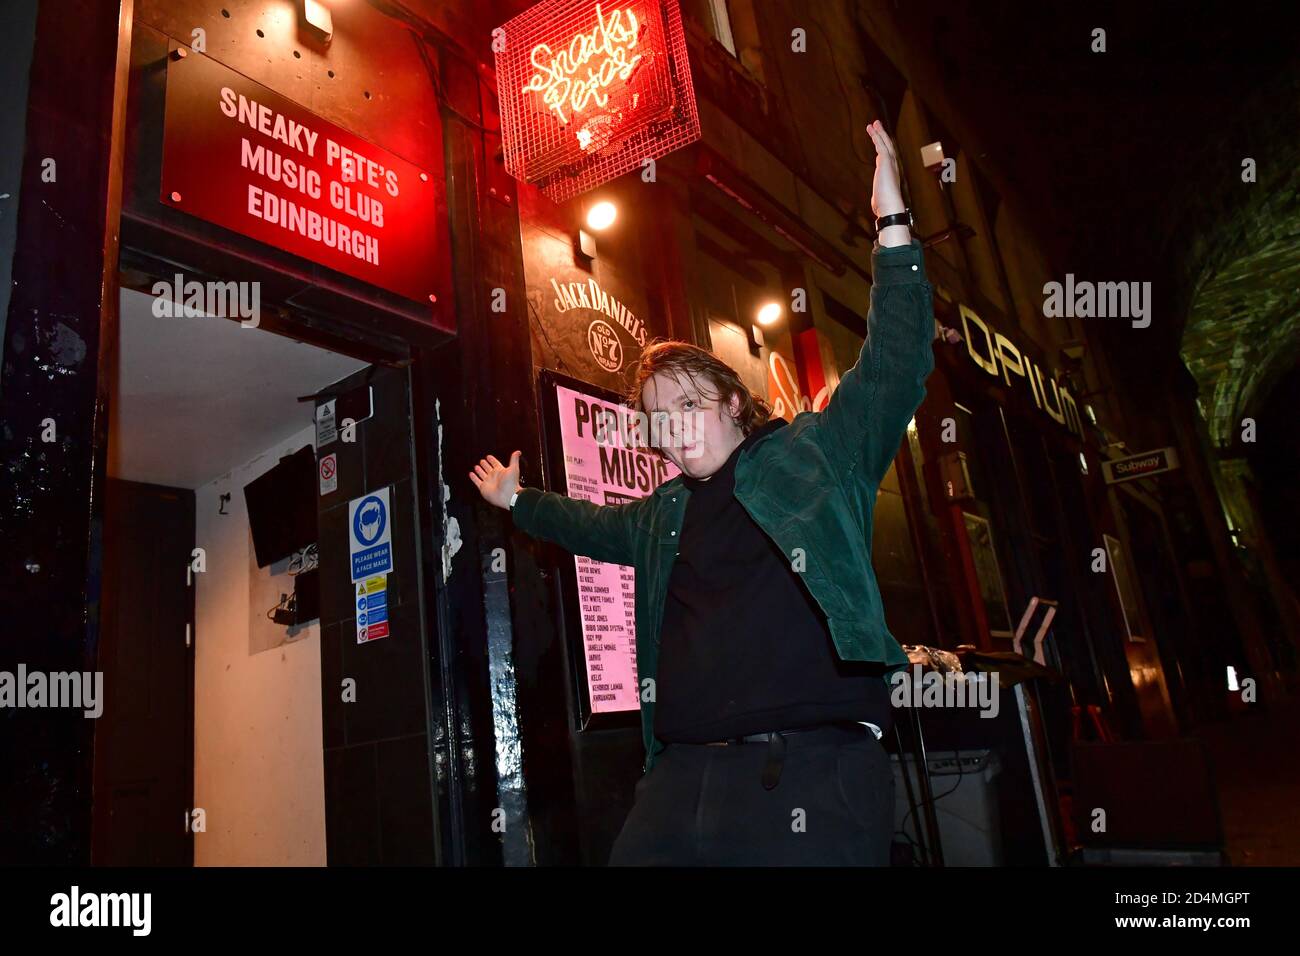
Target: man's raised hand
x=886 y=185
x=494 y=481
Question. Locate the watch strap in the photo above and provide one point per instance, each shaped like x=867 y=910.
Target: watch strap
x=903 y=218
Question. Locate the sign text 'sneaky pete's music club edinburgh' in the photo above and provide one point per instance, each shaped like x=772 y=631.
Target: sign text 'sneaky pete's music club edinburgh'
x=239 y=155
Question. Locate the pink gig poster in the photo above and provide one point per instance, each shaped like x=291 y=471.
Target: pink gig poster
x=600 y=465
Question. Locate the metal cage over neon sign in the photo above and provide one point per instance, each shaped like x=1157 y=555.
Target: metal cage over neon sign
x=590 y=91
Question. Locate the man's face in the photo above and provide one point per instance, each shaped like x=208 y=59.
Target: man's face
x=699 y=432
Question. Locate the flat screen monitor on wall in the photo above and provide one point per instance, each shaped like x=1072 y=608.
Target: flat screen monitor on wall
x=282 y=507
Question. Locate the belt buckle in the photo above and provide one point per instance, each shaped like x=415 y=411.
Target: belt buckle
x=775 y=759
x=775 y=755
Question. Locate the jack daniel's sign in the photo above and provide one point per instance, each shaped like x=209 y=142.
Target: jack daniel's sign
x=602 y=339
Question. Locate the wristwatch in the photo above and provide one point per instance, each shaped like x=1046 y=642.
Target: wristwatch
x=903 y=218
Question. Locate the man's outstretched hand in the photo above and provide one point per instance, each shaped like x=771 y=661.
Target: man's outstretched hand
x=494 y=481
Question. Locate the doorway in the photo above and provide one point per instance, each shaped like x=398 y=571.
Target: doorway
x=210 y=749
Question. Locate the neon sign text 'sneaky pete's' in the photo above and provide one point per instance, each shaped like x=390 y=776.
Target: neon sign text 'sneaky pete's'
x=614 y=37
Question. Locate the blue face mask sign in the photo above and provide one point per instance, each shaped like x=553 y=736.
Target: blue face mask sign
x=370 y=521
x=370 y=535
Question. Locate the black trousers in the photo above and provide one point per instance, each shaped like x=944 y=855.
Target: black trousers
x=703 y=805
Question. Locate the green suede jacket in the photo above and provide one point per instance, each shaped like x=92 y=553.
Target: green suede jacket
x=811 y=486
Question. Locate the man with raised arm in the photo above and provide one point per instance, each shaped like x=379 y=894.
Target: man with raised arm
x=762 y=649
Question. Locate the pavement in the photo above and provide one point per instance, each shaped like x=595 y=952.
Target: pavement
x=1257 y=760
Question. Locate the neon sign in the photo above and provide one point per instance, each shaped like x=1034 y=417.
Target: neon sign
x=590 y=91
x=612 y=39
x=999 y=357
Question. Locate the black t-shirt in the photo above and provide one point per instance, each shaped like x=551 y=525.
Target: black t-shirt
x=745 y=648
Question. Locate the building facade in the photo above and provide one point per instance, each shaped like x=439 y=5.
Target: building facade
x=420 y=306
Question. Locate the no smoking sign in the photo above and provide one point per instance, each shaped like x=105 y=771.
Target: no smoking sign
x=329 y=474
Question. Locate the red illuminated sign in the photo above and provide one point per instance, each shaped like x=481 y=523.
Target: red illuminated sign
x=240 y=155
x=589 y=91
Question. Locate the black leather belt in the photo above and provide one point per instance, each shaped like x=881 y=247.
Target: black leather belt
x=764 y=737
x=775 y=740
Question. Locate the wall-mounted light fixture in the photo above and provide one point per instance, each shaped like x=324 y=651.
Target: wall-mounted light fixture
x=318 y=20
x=769 y=312
x=932 y=157
x=1073 y=350
x=601 y=215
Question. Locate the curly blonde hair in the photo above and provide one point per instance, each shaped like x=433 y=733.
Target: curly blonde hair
x=679 y=359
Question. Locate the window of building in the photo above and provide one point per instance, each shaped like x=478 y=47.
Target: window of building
x=1124 y=590
x=985 y=558
x=715 y=17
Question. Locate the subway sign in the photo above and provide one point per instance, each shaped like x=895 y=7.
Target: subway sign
x=1139 y=466
x=998 y=356
x=590 y=91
